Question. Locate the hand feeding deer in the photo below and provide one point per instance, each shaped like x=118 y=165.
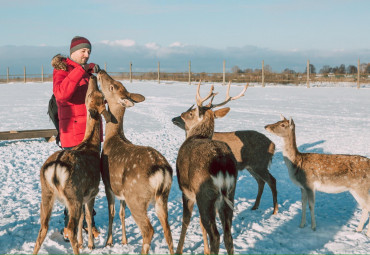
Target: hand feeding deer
x=206 y=173
x=73 y=176
x=136 y=175
x=253 y=151
x=330 y=173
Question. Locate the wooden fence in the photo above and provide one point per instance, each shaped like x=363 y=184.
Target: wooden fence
x=262 y=76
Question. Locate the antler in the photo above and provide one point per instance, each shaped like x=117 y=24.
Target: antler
x=228 y=98
x=200 y=100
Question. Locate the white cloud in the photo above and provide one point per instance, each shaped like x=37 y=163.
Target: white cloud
x=177 y=44
x=123 y=43
x=152 y=46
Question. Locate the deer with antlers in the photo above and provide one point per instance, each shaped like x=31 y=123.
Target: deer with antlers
x=73 y=176
x=329 y=173
x=253 y=151
x=206 y=173
x=136 y=175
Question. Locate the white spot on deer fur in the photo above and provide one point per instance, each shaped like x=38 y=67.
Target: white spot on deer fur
x=134 y=166
x=156 y=180
x=61 y=174
x=134 y=181
x=329 y=188
x=221 y=181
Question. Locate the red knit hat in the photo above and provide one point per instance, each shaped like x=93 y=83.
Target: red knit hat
x=79 y=42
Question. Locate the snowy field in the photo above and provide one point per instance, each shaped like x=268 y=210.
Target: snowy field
x=329 y=118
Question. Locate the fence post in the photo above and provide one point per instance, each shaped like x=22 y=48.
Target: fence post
x=308 y=73
x=263 y=73
x=130 y=72
x=42 y=73
x=223 y=73
x=105 y=66
x=159 y=79
x=189 y=72
x=24 y=74
x=7 y=75
x=358 y=73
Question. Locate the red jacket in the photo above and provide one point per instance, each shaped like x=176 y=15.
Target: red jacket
x=70 y=82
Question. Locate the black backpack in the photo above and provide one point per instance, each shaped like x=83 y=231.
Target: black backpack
x=53 y=114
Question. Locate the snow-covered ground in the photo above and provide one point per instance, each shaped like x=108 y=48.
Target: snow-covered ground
x=330 y=118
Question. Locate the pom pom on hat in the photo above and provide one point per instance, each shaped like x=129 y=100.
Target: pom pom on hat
x=79 y=42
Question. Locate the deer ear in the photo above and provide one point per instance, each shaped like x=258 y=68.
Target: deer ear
x=221 y=112
x=282 y=117
x=291 y=123
x=137 y=97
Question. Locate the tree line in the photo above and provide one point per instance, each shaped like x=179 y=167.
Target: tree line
x=326 y=69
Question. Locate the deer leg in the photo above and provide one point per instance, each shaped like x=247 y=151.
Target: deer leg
x=363 y=198
x=162 y=213
x=272 y=184
x=74 y=216
x=79 y=231
x=122 y=217
x=207 y=211
x=188 y=206
x=311 y=205
x=226 y=216
x=47 y=202
x=111 y=212
x=304 y=206
x=88 y=216
x=205 y=239
x=261 y=185
x=146 y=229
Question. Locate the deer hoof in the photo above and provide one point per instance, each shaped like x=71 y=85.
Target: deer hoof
x=80 y=246
x=91 y=247
x=254 y=208
x=110 y=244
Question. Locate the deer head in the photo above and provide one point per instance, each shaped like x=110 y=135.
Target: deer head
x=282 y=128
x=116 y=94
x=200 y=120
x=94 y=101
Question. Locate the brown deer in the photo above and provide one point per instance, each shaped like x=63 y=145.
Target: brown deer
x=253 y=151
x=329 y=173
x=206 y=173
x=136 y=175
x=73 y=176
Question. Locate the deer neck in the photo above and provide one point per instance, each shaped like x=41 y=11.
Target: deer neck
x=92 y=132
x=290 y=146
x=204 y=129
x=115 y=126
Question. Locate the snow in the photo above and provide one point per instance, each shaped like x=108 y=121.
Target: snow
x=329 y=118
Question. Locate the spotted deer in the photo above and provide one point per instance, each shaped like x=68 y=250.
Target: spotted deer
x=73 y=176
x=253 y=151
x=136 y=175
x=206 y=173
x=329 y=173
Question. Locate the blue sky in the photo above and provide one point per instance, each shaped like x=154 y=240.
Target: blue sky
x=315 y=27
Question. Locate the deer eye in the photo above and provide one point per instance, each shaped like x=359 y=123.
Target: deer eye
x=282 y=125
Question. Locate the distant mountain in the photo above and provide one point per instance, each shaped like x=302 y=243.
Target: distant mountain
x=175 y=58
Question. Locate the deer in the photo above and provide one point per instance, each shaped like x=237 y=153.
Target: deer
x=73 y=176
x=253 y=151
x=207 y=174
x=329 y=173
x=137 y=175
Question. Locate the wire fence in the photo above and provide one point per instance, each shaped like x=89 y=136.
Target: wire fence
x=258 y=76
